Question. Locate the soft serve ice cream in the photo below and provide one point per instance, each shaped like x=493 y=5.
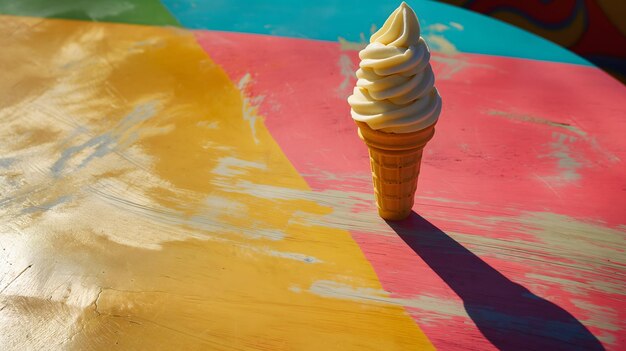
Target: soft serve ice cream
x=395 y=91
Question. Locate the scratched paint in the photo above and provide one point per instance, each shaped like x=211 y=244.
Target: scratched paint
x=566 y=235
x=539 y=120
x=566 y=162
x=142 y=237
x=563 y=126
x=449 y=60
x=347 y=69
x=439 y=308
x=250 y=104
x=103 y=144
x=457 y=25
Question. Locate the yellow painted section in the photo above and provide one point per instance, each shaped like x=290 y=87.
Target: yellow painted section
x=143 y=205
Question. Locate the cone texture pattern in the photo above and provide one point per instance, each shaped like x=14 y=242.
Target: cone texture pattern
x=395 y=162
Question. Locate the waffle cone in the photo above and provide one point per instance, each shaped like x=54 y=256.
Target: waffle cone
x=395 y=160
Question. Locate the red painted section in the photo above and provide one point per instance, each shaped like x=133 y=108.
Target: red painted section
x=515 y=136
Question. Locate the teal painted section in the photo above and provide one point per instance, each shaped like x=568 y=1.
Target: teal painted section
x=331 y=19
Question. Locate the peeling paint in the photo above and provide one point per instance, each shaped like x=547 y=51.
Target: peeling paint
x=568 y=237
x=562 y=125
x=250 y=104
x=537 y=120
x=295 y=256
x=6 y=162
x=437 y=41
x=566 y=161
x=451 y=65
x=446 y=54
x=47 y=205
x=456 y=25
x=106 y=143
x=444 y=200
x=346 y=69
x=232 y=166
x=336 y=207
x=426 y=309
x=599 y=316
x=444 y=309
x=346 y=45
x=208 y=124
x=440 y=44
x=437 y=27
x=596 y=146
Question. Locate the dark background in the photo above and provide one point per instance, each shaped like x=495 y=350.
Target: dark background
x=594 y=29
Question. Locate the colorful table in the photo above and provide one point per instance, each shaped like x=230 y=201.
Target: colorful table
x=196 y=182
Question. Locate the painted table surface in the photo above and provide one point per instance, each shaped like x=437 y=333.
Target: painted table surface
x=167 y=186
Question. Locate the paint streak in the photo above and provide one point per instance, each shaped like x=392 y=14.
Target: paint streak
x=437 y=27
x=433 y=34
x=596 y=146
x=35 y=136
x=440 y=44
x=452 y=64
x=295 y=256
x=566 y=163
x=596 y=245
x=353 y=45
x=7 y=162
x=47 y=205
x=457 y=25
x=560 y=125
x=447 y=54
x=538 y=120
x=102 y=145
x=250 y=104
x=231 y=166
x=601 y=317
x=347 y=69
x=440 y=309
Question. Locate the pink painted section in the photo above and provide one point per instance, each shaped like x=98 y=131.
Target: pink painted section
x=516 y=136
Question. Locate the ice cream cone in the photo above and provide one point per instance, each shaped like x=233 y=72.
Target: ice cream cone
x=395 y=160
x=395 y=105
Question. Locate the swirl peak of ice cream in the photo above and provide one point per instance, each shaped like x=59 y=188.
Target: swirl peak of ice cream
x=395 y=91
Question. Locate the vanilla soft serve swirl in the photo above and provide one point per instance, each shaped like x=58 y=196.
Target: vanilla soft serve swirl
x=395 y=90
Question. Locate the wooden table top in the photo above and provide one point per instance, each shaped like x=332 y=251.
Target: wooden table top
x=186 y=175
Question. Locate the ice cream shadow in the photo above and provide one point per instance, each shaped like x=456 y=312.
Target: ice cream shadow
x=509 y=315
